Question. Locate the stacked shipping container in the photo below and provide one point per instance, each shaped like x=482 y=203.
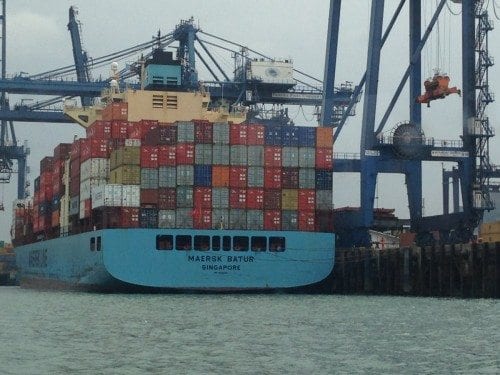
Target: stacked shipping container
x=192 y=175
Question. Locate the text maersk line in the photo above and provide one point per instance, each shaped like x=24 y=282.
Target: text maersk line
x=216 y=260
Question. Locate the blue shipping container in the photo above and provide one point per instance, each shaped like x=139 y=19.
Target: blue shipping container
x=290 y=136
x=203 y=175
x=307 y=136
x=324 y=180
x=148 y=218
x=273 y=136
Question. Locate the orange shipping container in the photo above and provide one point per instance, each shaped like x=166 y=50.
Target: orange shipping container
x=324 y=137
x=220 y=176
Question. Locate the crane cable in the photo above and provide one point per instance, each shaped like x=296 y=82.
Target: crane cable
x=495 y=5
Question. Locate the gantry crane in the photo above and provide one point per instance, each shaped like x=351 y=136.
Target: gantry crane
x=406 y=147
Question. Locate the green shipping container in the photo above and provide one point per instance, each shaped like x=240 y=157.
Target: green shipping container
x=127 y=155
x=126 y=175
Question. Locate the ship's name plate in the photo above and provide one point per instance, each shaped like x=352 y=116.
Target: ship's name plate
x=220 y=262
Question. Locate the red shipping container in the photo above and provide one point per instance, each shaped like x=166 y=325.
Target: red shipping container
x=272 y=199
x=99 y=129
x=202 y=218
x=238 y=176
x=255 y=135
x=167 y=198
x=46 y=193
x=237 y=134
x=146 y=126
x=62 y=151
x=324 y=158
x=272 y=178
x=115 y=111
x=307 y=199
x=290 y=178
x=119 y=129
x=129 y=217
x=87 y=207
x=167 y=156
x=307 y=221
x=75 y=148
x=74 y=185
x=202 y=131
x=238 y=198
x=272 y=156
x=46 y=164
x=149 y=196
x=45 y=179
x=185 y=153
x=74 y=168
x=55 y=219
x=93 y=148
x=149 y=156
x=272 y=220
x=255 y=198
x=202 y=197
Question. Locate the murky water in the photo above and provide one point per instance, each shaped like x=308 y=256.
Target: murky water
x=67 y=333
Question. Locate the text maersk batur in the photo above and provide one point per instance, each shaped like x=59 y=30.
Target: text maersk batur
x=215 y=259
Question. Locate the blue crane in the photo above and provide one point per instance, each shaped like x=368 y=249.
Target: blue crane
x=405 y=149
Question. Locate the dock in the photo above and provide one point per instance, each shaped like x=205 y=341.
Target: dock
x=462 y=270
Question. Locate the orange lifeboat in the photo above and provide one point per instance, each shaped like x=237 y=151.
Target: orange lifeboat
x=437 y=88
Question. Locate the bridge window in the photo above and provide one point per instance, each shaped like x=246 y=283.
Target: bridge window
x=277 y=244
x=202 y=243
x=183 y=243
x=99 y=243
x=240 y=243
x=92 y=244
x=164 y=242
x=258 y=243
x=215 y=243
x=226 y=243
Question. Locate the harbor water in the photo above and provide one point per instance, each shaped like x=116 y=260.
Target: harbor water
x=45 y=332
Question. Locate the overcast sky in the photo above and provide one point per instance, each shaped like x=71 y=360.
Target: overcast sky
x=38 y=40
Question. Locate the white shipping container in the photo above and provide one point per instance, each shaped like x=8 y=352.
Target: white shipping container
x=94 y=168
x=74 y=205
x=64 y=212
x=132 y=142
x=109 y=195
x=87 y=185
x=131 y=195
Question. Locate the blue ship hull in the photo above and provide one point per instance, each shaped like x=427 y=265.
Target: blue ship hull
x=131 y=259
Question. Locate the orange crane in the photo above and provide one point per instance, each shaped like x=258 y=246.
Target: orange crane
x=437 y=88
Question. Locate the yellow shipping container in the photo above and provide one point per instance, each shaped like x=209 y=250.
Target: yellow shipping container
x=127 y=155
x=491 y=238
x=490 y=228
x=289 y=199
x=126 y=175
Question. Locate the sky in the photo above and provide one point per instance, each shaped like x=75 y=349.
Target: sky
x=38 y=41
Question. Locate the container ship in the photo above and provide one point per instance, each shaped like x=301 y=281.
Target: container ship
x=167 y=193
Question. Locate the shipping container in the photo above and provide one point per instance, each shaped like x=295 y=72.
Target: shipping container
x=255 y=134
x=272 y=220
x=202 y=197
x=220 y=218
x=163 y=135
x=238 y=155
x=238 y=177
x=149 y=178
x=115 y=111
x=202 y=132
x=237 y=219
x=167 y=177
x=184 y=196
x=324 y=158
x=75 y=148
x=184 y=218
x=220 y=197
x=167 y=156
x=220 y=154
x=87 y=185
x=126 y=155
x=74 y=186
x=238 y=134
x=122 y=217
x=202 y=219
x=255 y=177
x=185 y=132
x=220 y=176
x=290 y=136
x=46 y=164
x=307 y=199
x=167 y=198
x=272 y=199
x=99 y=129
x=148 y=218
x=273 y=136
x=307 y=136
x=324 y=199
x=94 y=168
x=289 y=220
x=85 y=208
x=131 y=195
x=307 y=178
x=255 y=156
x=307 y=157
x=166 y=219
x=238 y=198
x=272 y=156
x=119 y=129
x=290 y=157
x=324 y=180
x=324 y=137
x=255 y=198
x=220 y=133
x=272 y=178
x=149 y=197
x=290 y=178
x=203 y=175
x=185 y=153
x=289 y=199
x=62 y=151
x=149 y=157
x=126 y=175
x=203 y=153
x=185 y=175
x=255 y=220
x=108 y=195
x=307 y=221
